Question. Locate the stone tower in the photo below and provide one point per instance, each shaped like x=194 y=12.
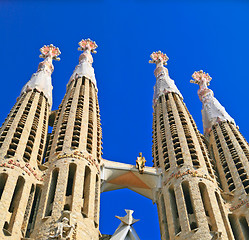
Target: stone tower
x=231 y=153
x=50 y=184
x=71 y=188
x=22 y=142
x=189 y=204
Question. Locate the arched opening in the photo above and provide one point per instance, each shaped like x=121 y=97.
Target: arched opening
x=86 y=191
x=14 y=205
x=51 y=192
x=3 y=180
x=34 y=210
x=244 y=226
x=96 y=202
x=207 y=207
x=189 y=206
x=234 y=226
x=174 y=210
x=70 y=186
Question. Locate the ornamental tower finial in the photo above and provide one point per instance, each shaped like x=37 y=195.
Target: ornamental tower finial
x=87 y=44
x=84 y=68
x=50 y=51
x=158 y=57
x=164 y=84
x=212 y=110
x=41 y=80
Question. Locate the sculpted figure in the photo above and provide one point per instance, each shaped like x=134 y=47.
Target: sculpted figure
x=140 y=163
x=64 y=230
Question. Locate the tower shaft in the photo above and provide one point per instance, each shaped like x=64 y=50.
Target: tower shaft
x=72 y=186
x=22 y=142
x=230 y=151
x=184 y=202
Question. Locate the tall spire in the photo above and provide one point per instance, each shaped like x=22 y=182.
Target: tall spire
x=41 y=80
x=212 y=111
x=84 y=68
x=164 y=84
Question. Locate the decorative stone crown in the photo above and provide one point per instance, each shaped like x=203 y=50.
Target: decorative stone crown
x=41 y=80
x=50 y=51
x=87 y=44
x=212 y=110
x=84 y=68
x=164 y=84
x=158 y=57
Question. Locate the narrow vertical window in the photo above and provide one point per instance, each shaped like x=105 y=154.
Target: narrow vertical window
x=96 y=203
x=207 y=207
x=164 y=218
x=223 y=214
x=28 y=209
x=14 y=204
x=51 y=193
x=34 y=210
x=70 y=186
x=244 y=226
x=3 y=179
x=86 y=191
x=189 y=205
x=233 y=223
x=174 y=210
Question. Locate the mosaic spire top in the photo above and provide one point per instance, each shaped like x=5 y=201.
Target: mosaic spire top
x=41 y=80
x=84 y=68
x=159 y=57
x=212 y=110
x=50 y=51
x=164 y=84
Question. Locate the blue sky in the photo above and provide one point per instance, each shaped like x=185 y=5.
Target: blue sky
x=209 y=35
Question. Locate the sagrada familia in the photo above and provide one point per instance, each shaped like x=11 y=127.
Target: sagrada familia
x=50 y=183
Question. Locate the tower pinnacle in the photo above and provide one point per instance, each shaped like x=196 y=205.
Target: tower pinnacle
x=164 y=84
x=41 y=80
x=84 y=68
x=212 y=110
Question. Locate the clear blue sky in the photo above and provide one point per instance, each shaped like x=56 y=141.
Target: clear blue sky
x=209 y=35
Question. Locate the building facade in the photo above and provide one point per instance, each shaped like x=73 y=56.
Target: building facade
x=50 y=184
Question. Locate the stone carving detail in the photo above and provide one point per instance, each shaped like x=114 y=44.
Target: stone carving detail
x=64 y=230
x=84 y=68
x=140 y=163
x=212 y=110
x=164 y=84
x=41 y=80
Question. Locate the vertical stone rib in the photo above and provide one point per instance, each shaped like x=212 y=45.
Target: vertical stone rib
x=8 y=124
x=183 y=214
x=13 y=132
x=182 y=139
x=70 y=116
x=159 y=119
x=223 y=168
x=84 y=129
x=95 y=126
x=164 y=131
